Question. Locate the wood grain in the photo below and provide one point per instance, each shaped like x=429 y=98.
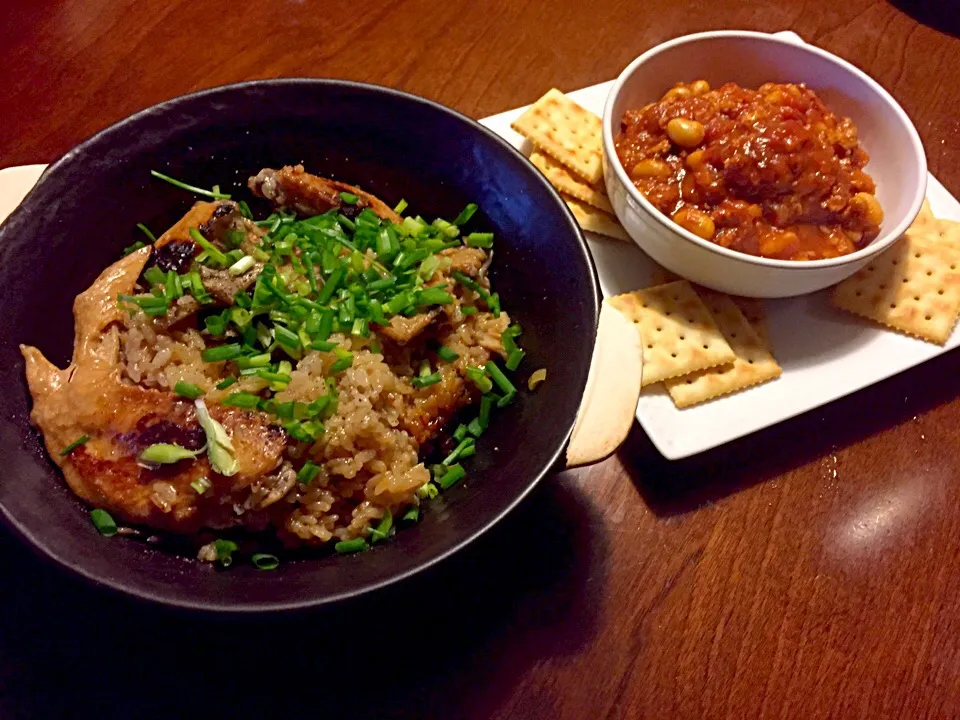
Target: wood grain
x=809 y=571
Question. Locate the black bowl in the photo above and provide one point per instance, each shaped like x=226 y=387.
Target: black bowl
x=84 y=210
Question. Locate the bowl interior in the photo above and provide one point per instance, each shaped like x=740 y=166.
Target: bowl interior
x=84 y=210
x=896 y=157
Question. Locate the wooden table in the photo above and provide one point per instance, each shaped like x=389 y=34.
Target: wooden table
x=808 y=571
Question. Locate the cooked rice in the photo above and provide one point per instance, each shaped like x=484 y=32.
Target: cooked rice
x=368 y=462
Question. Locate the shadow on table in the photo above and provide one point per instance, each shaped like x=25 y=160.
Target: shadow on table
x=942 y=15
x=453 y=642
x=680 y=486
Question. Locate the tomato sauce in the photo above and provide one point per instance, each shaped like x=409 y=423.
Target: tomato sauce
x=769 y=172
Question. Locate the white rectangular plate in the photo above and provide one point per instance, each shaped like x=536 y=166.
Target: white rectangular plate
x=825 y=353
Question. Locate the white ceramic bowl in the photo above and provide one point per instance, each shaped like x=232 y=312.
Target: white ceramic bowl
x=897 y=162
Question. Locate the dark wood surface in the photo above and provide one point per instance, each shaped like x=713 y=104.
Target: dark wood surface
x=811 y=570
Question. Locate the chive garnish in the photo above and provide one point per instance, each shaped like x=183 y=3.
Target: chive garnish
x=349 y=198
x=479 y=240
x=201 y=485
x=479 y=378
x=382 y=531
x=188 y=390
x=412 y=514
x=343 y=361
x=426 y=380
x=465 y=214
x=226 y=382
x=446 y=354
x=216 y=255
x=454 y=475
x=351 y=546
x=74 y=445
x=166 y=454
x=500 y=379
x=134 y=247
x=514 y=359
x=308 y=473
x=221 y=352
x=146 y=231
x=400 y=207
x=265 y=561
x=245 y=400
x=192 y=188
x=103 y=522
x=225 y=550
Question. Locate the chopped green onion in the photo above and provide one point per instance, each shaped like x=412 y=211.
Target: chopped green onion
x=434 y=296
x=400 y=207
x=452 y=476
x=536 y=377
x=308 y=473
x=212 y=250
x=166 y=454
x=427 y=491
x=155 y=276
x=225 y=550
x=351 y=546
x=343 y=361
x=245 y=210
x=287 y=338
x=465 y=214
x=426 y=380
x=475 y=428
x=253 y=361
x=458 y=451
x=507 y=399
x=383 y=529
x=468 y=310
x=479 y=378
x=411 y=515
x=74 y=445
x=130 y=249
x=330 y=286
x=323 y=345
x=349 y=198
x=201 y=485
x=146 y=231
x=483 y=419
x=226 y=382
x=188 y=390
x=192 y=188
x=514 y=359
x=460 y=433
x=220 y=449
x=220 y=353
x=502 y=381
x=242 y=265
x=197 y=289
x=245 y=400
x=446 y=354
x=479 y=240
x=265 y=561
x=103 y=522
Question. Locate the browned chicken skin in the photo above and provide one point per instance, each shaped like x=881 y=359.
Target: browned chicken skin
x=89 y=398
x=292 y=188
x=93 y=397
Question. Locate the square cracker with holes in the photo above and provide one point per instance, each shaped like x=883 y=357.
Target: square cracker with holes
x=913 y=287
x=752 y=365
x=566 y=182
x=678 y=333
x=593 y=220
x=565 y=131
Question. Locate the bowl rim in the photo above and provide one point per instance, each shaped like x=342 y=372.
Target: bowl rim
x=862 y=255
x=233 y=606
